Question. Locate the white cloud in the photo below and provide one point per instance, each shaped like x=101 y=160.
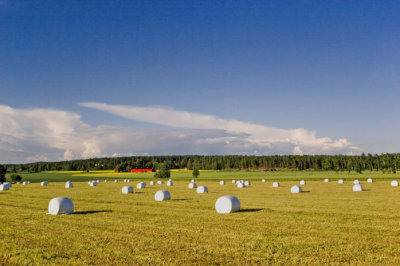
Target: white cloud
x=28 y=135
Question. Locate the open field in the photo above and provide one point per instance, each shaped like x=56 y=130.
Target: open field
x=327 y=224
x=63 y=176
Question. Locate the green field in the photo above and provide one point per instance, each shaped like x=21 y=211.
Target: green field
x=328 y=224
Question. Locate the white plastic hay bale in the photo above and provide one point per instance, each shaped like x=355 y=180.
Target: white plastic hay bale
x=98 y=181
x=369 y=180
x=356 y=182
x=240 y=185
x=8 y=184
x=394 y=183
x=160 y=182
x=18 y=183
x=44 y=183
x=162 y=195
x=247 y=183
x=233 y=181
x=357 y=187
x=296 y=189
x=105 y=180
x=69 y=184
x=222 y=182
x=193 y=181
x=276 y=184
x=302 y=182
x=115 y=181
x=4 y=187
x=152 y=183
x=141 y=185
x=326 y=180
x=127 y=189
x=340 y=181
x=202 y=189
x=192 y=185
x=25 y=183
x=93 y=183
x=227 y=204
x=170 y=183
x=125 y=180
x=61 y=205
x=128 y=181
x=263 y=180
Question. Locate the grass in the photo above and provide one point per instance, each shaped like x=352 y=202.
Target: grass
x=329 y=224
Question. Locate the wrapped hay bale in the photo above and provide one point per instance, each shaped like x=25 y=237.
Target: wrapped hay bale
x=202 y=189
x=192 y=185
x=162 y=195
x=263 y=180
x=276 y=184
x=115 y=181
x=233 y=181
x=357 y=187
x=44 y=183
x=4 y=187
x=152 y=183
x=227 y=204
x=93 y=183
x=369 y=180
x=141 y=185
x=222 y=182
x=160 y=182
x=170 y=183
x=61 y=205
x=394 y=183
x=340 y=181
x=127 y=189
x=326 y=180
x=247 y=183
x=240 y=185
x=296 y=189
x=302 y=182
x=356 y=182
x=69 y=184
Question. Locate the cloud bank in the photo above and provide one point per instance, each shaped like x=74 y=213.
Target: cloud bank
x=28 y=135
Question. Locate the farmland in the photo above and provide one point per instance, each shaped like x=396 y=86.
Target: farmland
x=328 y=223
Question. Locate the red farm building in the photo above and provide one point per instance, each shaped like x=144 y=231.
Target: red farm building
x=142 y=170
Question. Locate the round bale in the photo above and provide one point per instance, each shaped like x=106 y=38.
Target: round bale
x=170 y=183
x=141 y=185
x=4 y=187
x=247 y=183
x=222 y=182
x=115 y=181
x=69 y=184
x=127 y=189
x=233 y=181
x=240 y=185
x=263 y=180
x=369 y=180
x=152 y=183
x=394 y=183
x=356 y=182
x=162 y=195
x=227 y=204
x=302 y=182
x=160 y=182
x=192 y=185
x=61 y=205
x=326 y=180
x=296 y=189
x=44 y=183
x=357 y=187
x=202 y=189
x=340 y=181
x=276 y=184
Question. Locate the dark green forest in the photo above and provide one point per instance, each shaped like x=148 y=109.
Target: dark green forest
x=386 y=163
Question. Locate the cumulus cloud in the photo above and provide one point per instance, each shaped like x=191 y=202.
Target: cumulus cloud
x=28 y=135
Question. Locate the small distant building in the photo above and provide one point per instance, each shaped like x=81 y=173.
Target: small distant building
x=142 y=170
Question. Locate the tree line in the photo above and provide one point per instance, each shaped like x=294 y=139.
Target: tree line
x=386 y=163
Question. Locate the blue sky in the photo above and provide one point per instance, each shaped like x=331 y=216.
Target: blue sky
x=71 y=72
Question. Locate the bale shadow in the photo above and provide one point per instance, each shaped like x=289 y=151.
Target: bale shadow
x=252 y=210
x=306 y=191
x=366 y=190
x=91 y=212
x=180 y=199
x=139 y=192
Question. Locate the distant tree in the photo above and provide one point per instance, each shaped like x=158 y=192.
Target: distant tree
x=128 y=168
x=3 y=172
x=196 y=172
x=16 y=178
x=163 y=171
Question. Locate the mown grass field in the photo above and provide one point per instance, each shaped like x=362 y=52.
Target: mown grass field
x=328 y=224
